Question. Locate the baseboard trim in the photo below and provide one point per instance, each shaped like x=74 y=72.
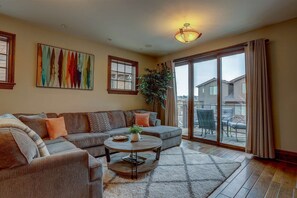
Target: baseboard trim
x=286 y=156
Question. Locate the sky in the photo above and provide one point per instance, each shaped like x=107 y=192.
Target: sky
x=232 y=67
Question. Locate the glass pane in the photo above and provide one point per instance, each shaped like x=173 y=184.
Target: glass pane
x=128 y=69
x=121 y=76
x=133 y=78
x=3 y=47
x=233 y=100
x=128 y=77
x=205 y=100
x=182 y=85
x=114 y=66
x=114 y=84
x=121 y=85
x=3 y=62
x=114 y=75
x=121 y=68
x=128 y=85
x=2 y=74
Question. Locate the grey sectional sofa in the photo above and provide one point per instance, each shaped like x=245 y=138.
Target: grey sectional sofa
x=70 y=171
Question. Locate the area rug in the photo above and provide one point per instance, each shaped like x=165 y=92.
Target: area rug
x=181 y=173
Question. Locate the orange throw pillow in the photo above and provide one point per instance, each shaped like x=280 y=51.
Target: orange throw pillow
x=142 y=119
x=56 y=127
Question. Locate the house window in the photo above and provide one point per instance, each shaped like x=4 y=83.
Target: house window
x=202 y=90
x=7 y=45
x=213 y=90
x=122 y=76
x=243 y=88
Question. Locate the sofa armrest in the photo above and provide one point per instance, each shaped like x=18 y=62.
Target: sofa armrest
x=158 y=122
x=60 y=175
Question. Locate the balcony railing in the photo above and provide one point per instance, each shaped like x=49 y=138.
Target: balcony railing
x=182 y=105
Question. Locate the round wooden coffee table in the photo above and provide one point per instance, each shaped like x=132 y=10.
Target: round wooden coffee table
x=134 y=163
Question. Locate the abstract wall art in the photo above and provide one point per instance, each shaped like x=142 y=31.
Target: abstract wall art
x=63 y=68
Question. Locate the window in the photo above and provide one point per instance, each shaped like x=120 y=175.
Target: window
x=243 y=88
x=122 y=76
x=7 y=45
x=213 y=90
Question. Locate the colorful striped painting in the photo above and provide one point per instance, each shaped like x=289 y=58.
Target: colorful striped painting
x=63 y=68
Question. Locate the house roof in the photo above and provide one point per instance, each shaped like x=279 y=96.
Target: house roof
x=237 y=79
x=210 y=81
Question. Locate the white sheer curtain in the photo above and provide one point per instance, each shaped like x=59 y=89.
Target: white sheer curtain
x=170 y=109
x=260 y=141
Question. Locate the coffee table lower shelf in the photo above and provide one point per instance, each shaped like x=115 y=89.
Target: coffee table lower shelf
x=121 y=167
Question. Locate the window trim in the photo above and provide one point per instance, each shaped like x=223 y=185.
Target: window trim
x=9 y=84
x=113 y=91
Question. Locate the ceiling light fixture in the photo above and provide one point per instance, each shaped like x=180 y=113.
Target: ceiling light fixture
x=186 y=34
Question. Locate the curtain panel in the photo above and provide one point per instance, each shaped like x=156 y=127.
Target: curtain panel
x=170 y=108
x=260 y=140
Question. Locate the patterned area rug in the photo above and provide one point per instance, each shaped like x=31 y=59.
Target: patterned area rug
x=181 y=173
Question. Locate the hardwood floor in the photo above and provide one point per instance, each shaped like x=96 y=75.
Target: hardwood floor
x=255 y=178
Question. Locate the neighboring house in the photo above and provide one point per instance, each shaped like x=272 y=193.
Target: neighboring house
x=208 y=91
x=238 y=91
x=233 y=92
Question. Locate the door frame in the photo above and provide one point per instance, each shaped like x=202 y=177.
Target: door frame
x=190 y=61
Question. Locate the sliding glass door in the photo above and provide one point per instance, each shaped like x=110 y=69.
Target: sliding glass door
x=182 y=89
x=233 y=100
x=205 y=99
x=211 y=98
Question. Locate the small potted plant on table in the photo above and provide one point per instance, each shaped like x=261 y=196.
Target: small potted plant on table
x=135 y=131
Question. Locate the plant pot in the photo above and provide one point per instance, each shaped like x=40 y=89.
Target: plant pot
x=135 y=137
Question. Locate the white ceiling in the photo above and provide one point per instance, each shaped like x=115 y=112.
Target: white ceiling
x=148 y=26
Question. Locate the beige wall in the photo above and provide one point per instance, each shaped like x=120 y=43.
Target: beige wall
x=282 y=50
x=25 y=97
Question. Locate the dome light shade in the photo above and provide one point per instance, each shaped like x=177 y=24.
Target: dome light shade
x=186 y=34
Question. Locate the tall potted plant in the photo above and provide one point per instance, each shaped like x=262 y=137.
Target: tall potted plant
x=154 y=84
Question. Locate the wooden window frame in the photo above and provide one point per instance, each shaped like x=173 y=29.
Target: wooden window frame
x=120 y=91
x=9 y=83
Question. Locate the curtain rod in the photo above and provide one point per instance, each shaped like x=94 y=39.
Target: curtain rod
x=237 y=46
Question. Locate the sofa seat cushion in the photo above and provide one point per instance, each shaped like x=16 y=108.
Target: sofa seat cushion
x=85 y=140
x=48 y=141
x=59 y=147
x=163 y=132
x=96 y=169
x=119 y=131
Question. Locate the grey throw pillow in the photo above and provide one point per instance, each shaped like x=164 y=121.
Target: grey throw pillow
x=99 y=122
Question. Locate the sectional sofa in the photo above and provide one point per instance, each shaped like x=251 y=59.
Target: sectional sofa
x=71 y=170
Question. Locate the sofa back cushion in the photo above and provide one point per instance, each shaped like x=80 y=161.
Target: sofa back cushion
x=17 y=148
x=129 y=116
x=38 y=125
x=116 y=119
x=76 y=122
